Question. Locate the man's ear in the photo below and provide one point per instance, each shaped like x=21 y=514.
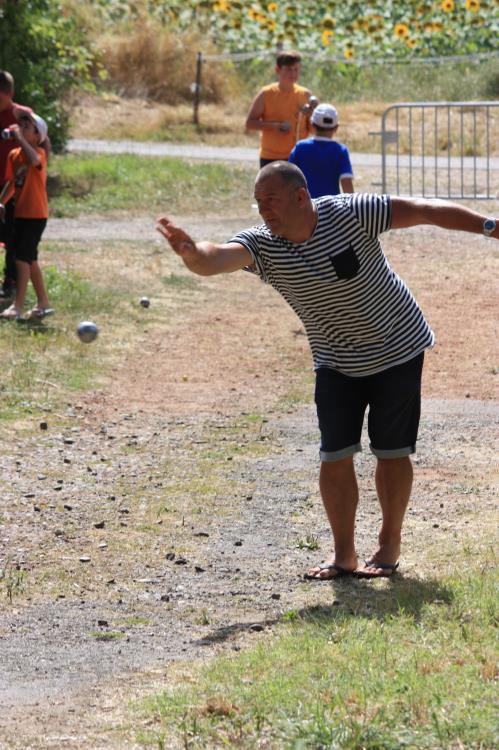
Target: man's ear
x=302 y=196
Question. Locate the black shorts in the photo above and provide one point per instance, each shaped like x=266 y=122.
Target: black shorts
x=394 y=400
x=26 y=238
x=7 y=225
x=264 y=162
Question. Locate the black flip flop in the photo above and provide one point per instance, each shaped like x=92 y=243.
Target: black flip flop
x=389 y=567
x=340 y=572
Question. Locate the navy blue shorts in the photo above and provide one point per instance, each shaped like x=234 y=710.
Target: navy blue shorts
x=394 y=400
x=26 y=238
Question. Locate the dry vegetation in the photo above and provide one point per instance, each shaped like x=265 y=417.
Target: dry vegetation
x=145 y=73
x=159 y=65
x=114 y=116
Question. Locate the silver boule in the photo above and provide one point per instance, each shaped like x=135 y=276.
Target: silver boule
x=87 y=331
x=144 y=301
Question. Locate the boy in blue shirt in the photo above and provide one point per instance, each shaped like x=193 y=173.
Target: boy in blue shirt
x=324 y=162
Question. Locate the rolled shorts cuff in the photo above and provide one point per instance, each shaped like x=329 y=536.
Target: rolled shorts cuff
x=393 y=453
x=350 y=450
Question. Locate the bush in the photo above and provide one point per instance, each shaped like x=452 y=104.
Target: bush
x=152 y=62
x=47 y=55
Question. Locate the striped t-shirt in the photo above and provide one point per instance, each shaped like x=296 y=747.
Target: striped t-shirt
x=359 y=316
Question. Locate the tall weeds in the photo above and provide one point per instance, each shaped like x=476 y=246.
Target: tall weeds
x=153 y=63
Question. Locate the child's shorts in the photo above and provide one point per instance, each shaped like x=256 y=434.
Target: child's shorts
x=394 y=400
x=26 y=238
x=7 y=225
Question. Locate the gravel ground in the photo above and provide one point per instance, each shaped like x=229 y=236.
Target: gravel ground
x=241 y=572
x=131 y=595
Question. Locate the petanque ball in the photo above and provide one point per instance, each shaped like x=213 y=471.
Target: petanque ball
x=144 y=301
x=87 y=331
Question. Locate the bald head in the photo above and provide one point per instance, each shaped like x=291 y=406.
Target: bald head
x=284 y=202
x=289 y=174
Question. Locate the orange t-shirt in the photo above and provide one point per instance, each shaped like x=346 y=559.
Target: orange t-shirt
x=283 y=105
x=31 y=200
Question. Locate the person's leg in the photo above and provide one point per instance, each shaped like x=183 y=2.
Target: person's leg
x=340 y=410
x=340 y=496
x=393 y=485
x=9 y=278
x=39 y=287
x=23 y=274
x=15 y=310
x=393 y=426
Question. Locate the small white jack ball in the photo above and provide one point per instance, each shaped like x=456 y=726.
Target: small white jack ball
x=87 y=331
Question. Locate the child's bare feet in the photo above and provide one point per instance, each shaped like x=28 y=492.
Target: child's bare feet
x=11 y=313
x=40 y=312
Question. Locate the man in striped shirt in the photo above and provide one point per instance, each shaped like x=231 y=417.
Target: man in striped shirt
x=366 y=332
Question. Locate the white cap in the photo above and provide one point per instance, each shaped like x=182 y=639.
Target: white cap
x=325 y=116
x=38 y=121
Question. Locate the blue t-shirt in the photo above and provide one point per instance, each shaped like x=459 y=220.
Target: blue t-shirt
x=323 y=162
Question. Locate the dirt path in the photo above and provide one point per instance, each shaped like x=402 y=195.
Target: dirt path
x=172 y=513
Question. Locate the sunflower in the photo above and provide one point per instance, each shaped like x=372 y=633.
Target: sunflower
x=222 y=6
x=448 y=6
x=348 y=53
x=401 y=30
x=271 y=24
x=472 y=5
x=328 y=22
x=272 y=7
x=411 y=43
x=326 y=37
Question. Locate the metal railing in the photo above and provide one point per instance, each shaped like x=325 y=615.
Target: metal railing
x=440 y=149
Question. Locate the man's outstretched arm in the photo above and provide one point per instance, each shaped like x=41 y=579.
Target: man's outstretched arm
x=204 y=258
x=409 y=212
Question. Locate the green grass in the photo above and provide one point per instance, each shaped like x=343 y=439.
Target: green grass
x=41 y=361
x=176 y=281
x=12 y=579
x=463 y=81
x=134 y=620
x=107 y=635
x=102 y=183
x=410 y=665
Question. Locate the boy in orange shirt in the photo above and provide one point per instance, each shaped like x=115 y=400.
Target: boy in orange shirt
x=281 y=111
x=26 y=176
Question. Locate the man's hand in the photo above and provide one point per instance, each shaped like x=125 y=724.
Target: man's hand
x=204 y=258
x=179 y=240
x=309 y=107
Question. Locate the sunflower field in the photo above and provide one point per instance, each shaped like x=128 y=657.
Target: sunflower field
x=345 y=30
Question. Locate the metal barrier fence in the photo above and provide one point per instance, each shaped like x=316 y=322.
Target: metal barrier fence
x=440 y=149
